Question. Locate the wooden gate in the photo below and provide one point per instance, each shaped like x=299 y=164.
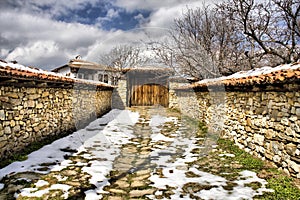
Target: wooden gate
x=149 y=95
x=147 y=88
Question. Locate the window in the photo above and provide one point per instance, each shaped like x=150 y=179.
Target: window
x=114 y=80
x=100 y=77
x=79 y=75
x=105 y=78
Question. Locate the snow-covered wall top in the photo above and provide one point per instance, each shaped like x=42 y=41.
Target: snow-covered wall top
x=20 y=72
x=262 y=76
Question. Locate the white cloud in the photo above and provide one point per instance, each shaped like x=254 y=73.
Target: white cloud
x=164 y=16
x=132 y=5
x=39 y=7
x=136 y=37
x=32 y=34
x=112 y=13
x=37 y=52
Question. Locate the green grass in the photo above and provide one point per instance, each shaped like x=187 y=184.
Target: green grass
x=284 y=189
x=247 y=160
x=283 y=186
x=20 y=156
x=16 y=157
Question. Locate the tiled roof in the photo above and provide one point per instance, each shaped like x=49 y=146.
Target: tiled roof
x=279 y=75
x=82 y=64
x=20 y=72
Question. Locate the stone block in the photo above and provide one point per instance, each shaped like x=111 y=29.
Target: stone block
x=279 y=127
x=295 y=127
x=39 y=105
x=291 y=149
x=4 y=99
x=12 y=123
x=7 y=130
x=31 y=90
x=269 y=155
x=12 y=95
x=45 y=94
x=259 y=139
x=16 y=129
x=297 y=112
x=276 y=159
x=33 y=96
x=294 y=166
x=30 y=104
x=284 y=121
x=3 y=144
x=290 y=131
x=274 y=145
x=2 y=115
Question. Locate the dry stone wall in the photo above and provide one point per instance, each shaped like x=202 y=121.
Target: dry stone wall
x=119 y=97
x=31 y=114
x=263 y=119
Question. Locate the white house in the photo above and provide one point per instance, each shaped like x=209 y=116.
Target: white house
x=77 y=68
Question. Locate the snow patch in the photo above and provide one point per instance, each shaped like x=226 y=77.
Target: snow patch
x=226 y=155
x=53 y=153
x=174 y=167
x=32 y=192
x=40 y=71
x=253 y=72
x=41 y=183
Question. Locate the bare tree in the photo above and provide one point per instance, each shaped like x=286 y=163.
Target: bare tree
x=203 y=45
x=270 y=27
x=123 y=56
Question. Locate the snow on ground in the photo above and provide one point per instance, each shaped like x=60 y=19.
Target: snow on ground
x=41 y=183
x=174 y=171
x=100 y=143
x=34 y=192
x=253 y=72
x=116 y=133
x=156 y=122
x=116 y=125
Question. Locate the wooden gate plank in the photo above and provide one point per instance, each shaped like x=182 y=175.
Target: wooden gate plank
x=143 y=93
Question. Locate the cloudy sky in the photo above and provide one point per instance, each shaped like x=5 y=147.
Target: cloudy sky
x=48 y=33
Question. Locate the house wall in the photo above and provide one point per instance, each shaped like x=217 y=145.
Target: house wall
x=29 y=113
x=263 y=121
x=66 y=72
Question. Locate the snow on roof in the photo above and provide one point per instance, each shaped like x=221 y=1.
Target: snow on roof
x=83 y=64
x=264 y=75
x=18 y=71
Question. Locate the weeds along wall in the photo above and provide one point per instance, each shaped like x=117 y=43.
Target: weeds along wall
x=260 y=114
x=32 y=110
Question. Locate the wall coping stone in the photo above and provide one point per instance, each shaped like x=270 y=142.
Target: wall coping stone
x=12 y=74
x=284 y=79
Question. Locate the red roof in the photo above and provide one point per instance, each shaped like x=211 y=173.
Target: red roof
x=19 y=72
x=285 y=74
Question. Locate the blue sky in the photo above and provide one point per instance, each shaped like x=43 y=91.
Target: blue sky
x=48 y=33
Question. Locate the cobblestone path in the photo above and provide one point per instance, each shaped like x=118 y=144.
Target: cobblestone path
x=144 y=153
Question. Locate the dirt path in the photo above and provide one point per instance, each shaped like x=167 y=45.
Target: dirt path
x=141 y=153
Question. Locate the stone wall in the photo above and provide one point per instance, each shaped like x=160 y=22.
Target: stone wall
x=31 y=113
x=267 y=125
x=262 y=119
x=119 y=98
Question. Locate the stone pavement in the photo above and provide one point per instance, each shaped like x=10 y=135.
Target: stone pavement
x=159 y=159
